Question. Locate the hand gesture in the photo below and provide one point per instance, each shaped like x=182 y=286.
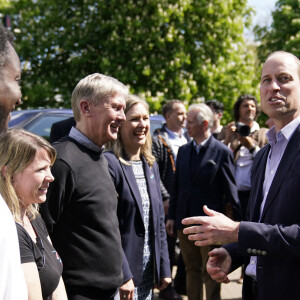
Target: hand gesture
x=218 y=265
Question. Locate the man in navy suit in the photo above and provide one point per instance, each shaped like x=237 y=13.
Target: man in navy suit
x=204 y=175
x=268 y=243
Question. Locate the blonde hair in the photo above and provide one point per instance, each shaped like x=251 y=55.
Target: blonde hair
x=117 y=146
x=17 y=150
x=96 y=88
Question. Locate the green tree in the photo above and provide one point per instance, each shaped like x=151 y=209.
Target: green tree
x=284 y=33
x=162 y=49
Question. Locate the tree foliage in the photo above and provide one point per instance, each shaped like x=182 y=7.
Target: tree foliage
x=284 y=33
x=162 y=49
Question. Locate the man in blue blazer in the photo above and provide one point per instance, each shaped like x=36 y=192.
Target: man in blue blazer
x=204 y=175
x=269 y=241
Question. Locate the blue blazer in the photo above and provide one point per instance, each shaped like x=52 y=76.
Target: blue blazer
x=212 y=184
x=276 y=239
x=130 y=215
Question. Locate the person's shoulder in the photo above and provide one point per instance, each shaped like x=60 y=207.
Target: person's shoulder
x=186 y=146
x=110 y=156
x=220 y=146
x=67 y=148
x=62 y=143
x=22 y=234
x=39 y=223
x=112 y=160
x=5 y=214
x=160 y=130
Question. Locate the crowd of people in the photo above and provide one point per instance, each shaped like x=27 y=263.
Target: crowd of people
x=98 y=213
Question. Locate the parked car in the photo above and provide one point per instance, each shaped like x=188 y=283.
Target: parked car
x=39 y=121
x=156 y=121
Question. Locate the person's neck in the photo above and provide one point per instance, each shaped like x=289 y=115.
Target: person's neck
x=24 y=218
x=133 y=153
x=215 y=127
x=200 y=139
x=87 y=133
x=174 y=129
x=281 y=123
x=248 y=123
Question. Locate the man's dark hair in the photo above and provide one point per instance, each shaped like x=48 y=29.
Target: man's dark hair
x=5 y=37
x=216 y=105
x=237 y=104
x=168 y=107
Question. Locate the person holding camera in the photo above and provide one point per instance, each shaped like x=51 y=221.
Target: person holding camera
x=245 y=138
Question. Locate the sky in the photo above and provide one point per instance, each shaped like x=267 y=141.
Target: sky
x=263 y=11
x=262 y=15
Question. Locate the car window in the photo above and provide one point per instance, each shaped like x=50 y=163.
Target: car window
x=155 y=125
x=42 y=125
x=18 y=117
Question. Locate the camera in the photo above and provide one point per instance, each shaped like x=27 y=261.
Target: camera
x=242 y=129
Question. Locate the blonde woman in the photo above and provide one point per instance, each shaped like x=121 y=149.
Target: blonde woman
x=140 y=209
x=25 y=161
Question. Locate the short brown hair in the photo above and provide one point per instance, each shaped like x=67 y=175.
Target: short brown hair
x=168 y=107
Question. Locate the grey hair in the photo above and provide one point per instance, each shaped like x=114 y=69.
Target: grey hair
x=204 y=113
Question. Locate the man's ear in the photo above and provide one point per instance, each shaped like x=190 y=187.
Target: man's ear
x=85 y=107
x=205 y=124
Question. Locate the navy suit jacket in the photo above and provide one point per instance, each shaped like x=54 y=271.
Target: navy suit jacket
x=213 y=183
x=130 y=215
x=276 y=239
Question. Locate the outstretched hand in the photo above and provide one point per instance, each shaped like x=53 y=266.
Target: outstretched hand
x=218 y=265
x=215 y=229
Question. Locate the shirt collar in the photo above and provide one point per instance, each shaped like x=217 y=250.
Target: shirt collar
x=174 y=135
x=203 y=143
x=78 y=136
x=285 y=133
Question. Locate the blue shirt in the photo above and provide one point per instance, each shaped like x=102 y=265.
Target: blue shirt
x=78 y=136
x=176 y=140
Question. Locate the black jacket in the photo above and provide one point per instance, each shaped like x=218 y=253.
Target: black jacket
x=163 y=154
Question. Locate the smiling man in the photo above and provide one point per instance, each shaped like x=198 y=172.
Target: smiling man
x=269 y=239
x=81 y=206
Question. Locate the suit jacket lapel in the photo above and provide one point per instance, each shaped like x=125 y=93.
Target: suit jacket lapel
x=287 y=159
x=131 y=180
x=151 y=184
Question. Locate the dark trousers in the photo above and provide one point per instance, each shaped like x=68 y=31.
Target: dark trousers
x=195 y=259
x=250 y=289
x=180 y=274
